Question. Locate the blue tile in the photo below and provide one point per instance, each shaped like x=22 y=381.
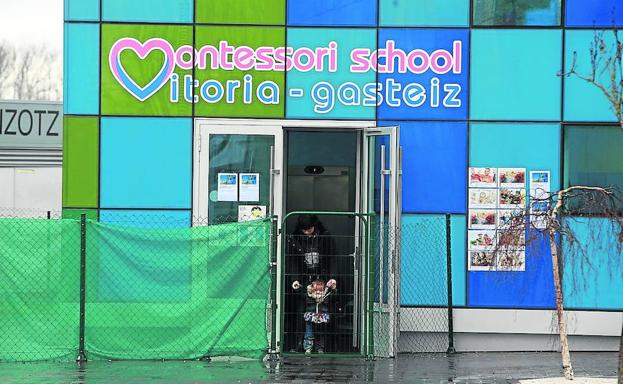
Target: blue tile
x=145 y=163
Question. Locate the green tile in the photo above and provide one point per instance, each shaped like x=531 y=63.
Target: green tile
x=264 y=12
x=253 y=37
x=75 y=213
x=116 y=100
x=80 y=162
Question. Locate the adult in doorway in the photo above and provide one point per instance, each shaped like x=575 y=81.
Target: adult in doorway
x=308 y=258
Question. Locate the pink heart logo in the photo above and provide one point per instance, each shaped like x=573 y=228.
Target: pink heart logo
x=141 y=50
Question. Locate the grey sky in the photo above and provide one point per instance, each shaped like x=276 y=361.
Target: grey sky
x=32 y=22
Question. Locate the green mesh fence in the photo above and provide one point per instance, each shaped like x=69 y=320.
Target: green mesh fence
x=151 y=293
x=39 y=289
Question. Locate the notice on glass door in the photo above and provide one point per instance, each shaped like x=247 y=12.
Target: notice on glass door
x=249 y=187
x=227 y=186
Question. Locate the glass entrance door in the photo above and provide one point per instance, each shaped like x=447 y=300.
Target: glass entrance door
x=382 y=201
x=239 y=174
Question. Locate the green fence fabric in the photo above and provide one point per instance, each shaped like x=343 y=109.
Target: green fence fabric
x=39 y=289
x=151 y=293
x=177 y=293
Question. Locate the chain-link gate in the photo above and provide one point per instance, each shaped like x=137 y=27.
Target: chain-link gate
x=426 y=291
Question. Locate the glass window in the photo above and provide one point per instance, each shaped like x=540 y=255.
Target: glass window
x=592 y=157
x=517 y=12
x=236 y=154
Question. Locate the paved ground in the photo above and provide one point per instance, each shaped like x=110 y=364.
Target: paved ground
x=418 y=368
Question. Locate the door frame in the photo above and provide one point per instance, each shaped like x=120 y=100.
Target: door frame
x=394 y=212
x=255 y=126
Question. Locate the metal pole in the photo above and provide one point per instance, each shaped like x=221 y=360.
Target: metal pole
x=83 y=237
x=449 y=278
x=273 y=353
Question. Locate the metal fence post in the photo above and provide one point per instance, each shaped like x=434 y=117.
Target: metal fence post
x=83 y=236
x=274 y=354
x=449 y=279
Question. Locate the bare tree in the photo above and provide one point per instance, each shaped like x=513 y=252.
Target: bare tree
x=606 y=71
x=31 y=73
x=606 y=74
x=546 y=219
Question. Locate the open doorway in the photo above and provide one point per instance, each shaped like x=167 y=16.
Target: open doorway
x=322 y=175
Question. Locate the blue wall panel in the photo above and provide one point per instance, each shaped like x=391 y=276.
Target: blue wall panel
x=145 y=163
x=81 y=69
x=593 y=270
x=146 y=218
x=420 y=13
x=82 y=10
x=332 y=12
x=514 y=74
x=428 y=40
x=534 y=147
x=584 y=101
x=434 y=166
x=583 y=13
x=307 y=104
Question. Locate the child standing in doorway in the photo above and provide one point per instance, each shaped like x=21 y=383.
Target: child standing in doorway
x=316 y=313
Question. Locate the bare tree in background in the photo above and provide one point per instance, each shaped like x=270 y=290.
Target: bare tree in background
x=30 y=73
x=548 y=220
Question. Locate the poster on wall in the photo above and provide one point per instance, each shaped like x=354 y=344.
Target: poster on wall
x=227 y=186
x=540 y=185
x=482 y=218
x=481 y=240
x=482 y=177
x=512 y=177
x=483 y=198
x=511 y=260
x=249 y=187
x=496 y=238
x=512 y=198
x=481 y=261
x=251 y=212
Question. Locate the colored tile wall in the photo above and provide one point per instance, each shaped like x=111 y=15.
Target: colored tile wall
x=508 y=79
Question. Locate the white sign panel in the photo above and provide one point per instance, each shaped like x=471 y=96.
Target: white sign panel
x=31 y=125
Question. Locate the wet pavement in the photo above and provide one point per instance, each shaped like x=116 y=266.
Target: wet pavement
x=416 y=368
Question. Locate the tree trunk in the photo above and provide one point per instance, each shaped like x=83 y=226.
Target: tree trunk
x=562 y=328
